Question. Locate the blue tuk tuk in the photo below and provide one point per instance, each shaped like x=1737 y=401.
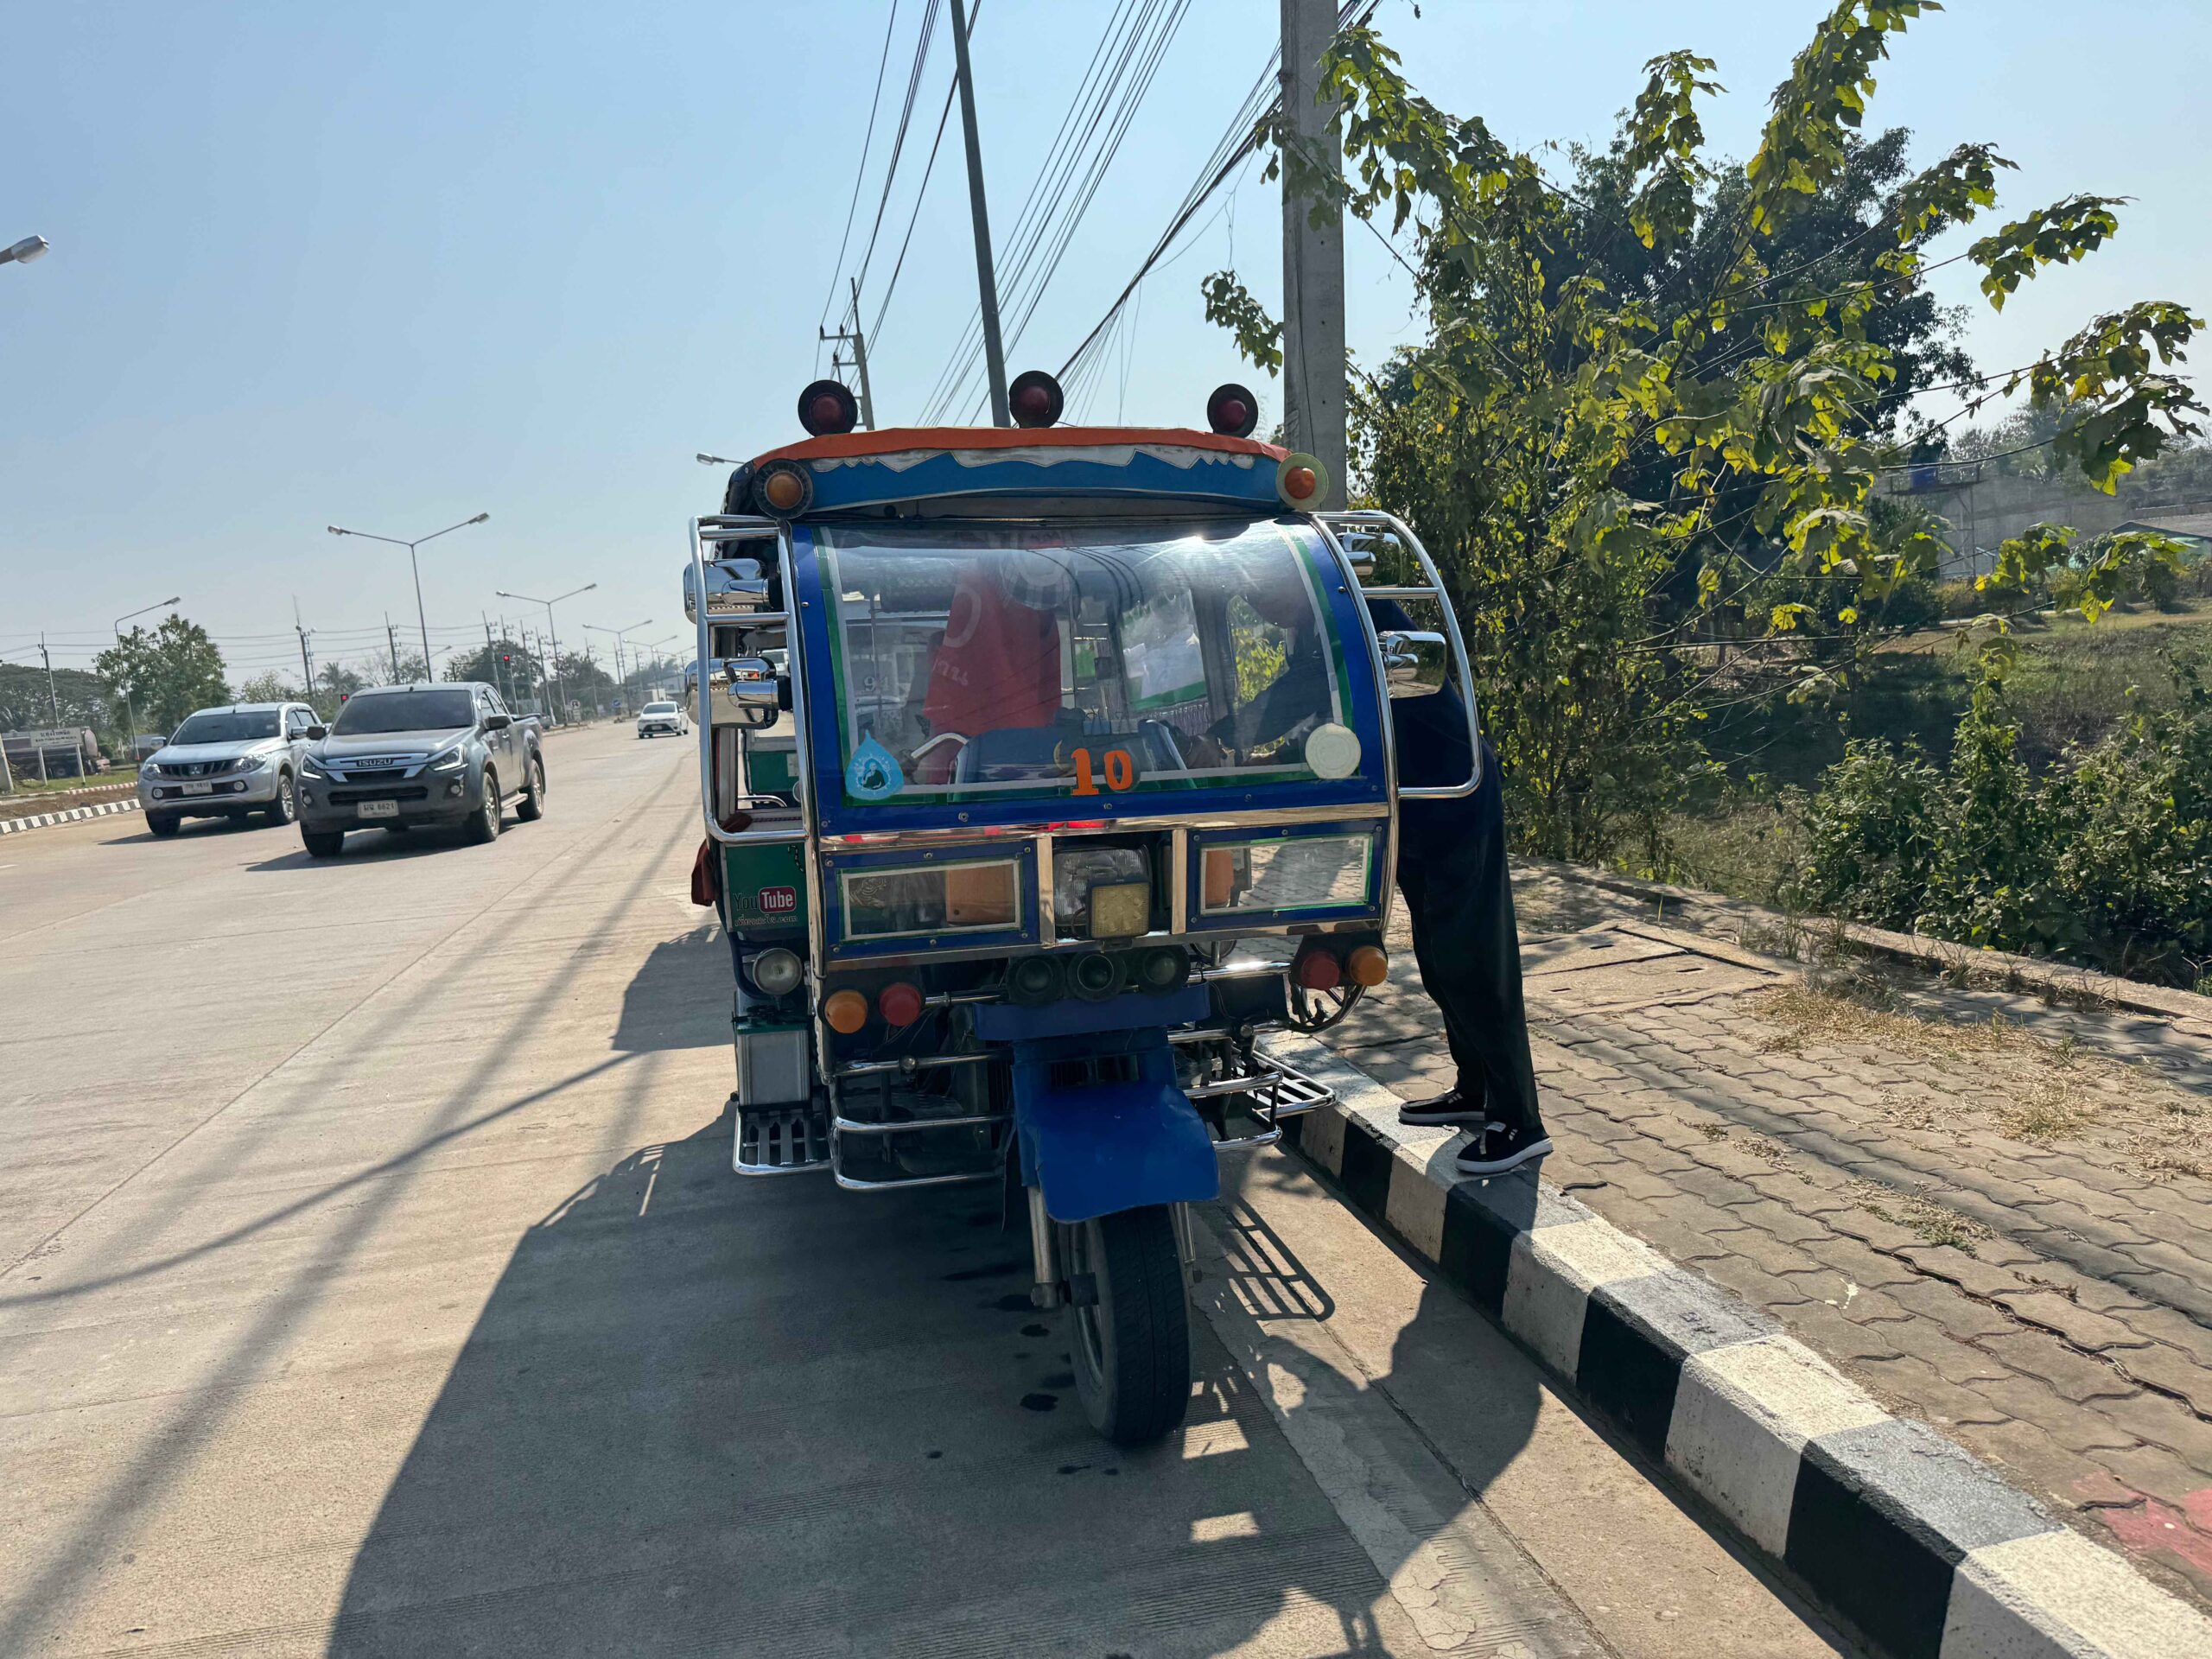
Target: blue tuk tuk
x=1045 y=769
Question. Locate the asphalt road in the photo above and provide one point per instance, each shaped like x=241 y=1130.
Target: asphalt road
x=373 y=1280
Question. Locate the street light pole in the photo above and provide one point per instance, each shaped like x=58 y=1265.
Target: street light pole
x=421 y=619
x=551 y=632
x=621 y=686
x=130 y=713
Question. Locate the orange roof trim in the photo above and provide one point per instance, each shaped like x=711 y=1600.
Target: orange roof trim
x=903 y=440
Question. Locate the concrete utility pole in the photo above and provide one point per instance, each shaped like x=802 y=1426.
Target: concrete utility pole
x=391 y=639
x=52 y=700
x=307 y=664
x=987 y=281
x=852 y=337
x=1312 y=258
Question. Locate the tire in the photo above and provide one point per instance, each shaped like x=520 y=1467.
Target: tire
x=323 y=843
x=531 y=807
x=286 y=807
x=485 y=823
x=1131 y=1348
x=163 y=824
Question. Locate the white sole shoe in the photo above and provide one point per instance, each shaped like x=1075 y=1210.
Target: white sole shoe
x=1471 y=1163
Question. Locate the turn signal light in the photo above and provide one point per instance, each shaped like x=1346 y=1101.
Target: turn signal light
x=783 y=489
x=846 y=1011
x=899 y=1003
x=1317 y=970
x=1299 y=483
x=1367 y=965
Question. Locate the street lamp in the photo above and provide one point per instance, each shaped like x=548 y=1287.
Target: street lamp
x=622 y=686
x=30 y=248
x=130 y=713
x=420 y=620
x=553 y=633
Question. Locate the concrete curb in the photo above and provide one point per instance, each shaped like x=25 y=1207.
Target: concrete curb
x=1899 y=1532
x=2134 y=995
x=45 y=820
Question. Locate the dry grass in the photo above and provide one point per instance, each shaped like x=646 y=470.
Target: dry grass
x=1935 y=1223
x=1992 y=1075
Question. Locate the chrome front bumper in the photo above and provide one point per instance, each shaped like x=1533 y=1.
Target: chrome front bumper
x=223 y=794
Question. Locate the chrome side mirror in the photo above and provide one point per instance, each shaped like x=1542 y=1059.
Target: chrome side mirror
x=745 y=691
x=1415 y=665
x=734 y=587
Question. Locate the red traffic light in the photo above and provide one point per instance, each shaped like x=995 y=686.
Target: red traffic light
x=1232 y=410
x=1034 y=398
x=827 y=407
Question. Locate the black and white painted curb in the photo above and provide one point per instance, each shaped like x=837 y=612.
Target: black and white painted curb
x=42 y=820
x=1922 y=1546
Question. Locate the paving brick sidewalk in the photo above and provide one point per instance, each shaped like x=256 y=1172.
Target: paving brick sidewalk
x=1994 y=1213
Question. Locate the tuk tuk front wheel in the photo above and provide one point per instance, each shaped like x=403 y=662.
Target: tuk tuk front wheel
x=1129 y=1322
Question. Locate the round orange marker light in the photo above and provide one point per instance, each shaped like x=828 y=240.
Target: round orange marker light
x=1368 y=965
x=784 y=490
x=1317 y=970
x=846 y=1011
x=899 y=1003
x=1298 y=483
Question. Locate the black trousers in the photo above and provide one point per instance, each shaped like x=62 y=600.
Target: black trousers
x=1460 y=899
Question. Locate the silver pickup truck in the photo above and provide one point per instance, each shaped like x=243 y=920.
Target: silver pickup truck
x=404 y=757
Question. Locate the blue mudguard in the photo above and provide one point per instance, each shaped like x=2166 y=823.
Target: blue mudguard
x=1095 y=1146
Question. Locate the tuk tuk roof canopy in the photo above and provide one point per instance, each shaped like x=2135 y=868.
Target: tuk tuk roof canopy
x=860 y=470
x=909 y=440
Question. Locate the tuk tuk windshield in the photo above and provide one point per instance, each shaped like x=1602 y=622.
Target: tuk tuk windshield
x=989 y=658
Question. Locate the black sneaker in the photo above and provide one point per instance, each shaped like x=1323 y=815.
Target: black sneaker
x=1497 y=1149
x=1447 y=1110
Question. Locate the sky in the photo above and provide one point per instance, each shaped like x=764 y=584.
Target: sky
x=391 y=266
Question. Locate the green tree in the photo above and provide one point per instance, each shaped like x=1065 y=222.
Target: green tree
x=333 y=683
x=1613 y=461
x=166 y=672
x=269 y=687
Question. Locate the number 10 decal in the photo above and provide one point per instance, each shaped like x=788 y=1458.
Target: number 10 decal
x=1119 y=766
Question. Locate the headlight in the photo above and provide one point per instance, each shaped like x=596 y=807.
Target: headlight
x=311 y=768
x=451 y=761
x=250 y=763
x=776 y=971
x=148 y=769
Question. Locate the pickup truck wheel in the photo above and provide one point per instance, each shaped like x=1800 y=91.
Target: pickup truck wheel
x=531 y=807
x=484 y=824
x=284 y=808
x=323 y=843
x=164 y=824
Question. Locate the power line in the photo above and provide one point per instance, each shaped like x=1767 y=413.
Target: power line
x=860 y=172
x=899 y=140
x=1241 y=138
x=1106 y=100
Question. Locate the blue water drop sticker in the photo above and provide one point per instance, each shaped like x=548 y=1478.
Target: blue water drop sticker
x=873 y=775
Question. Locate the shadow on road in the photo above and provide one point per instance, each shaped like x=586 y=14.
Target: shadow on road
x=704 y=1414
x=679 y=997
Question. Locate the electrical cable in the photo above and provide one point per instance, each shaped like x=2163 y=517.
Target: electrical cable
x=860 y=172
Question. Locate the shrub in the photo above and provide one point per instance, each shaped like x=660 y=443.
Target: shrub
x=2106 y=858
x=1911 y=605
x=1871 y=836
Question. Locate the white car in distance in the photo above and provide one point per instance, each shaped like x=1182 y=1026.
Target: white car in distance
x=655 y=718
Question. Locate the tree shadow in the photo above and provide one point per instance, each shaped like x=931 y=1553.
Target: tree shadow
x=702 y=1413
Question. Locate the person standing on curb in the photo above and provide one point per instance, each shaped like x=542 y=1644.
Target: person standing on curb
x=1458 y=893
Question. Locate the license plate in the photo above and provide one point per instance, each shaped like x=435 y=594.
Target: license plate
x=379 y=809
x=197 y=789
